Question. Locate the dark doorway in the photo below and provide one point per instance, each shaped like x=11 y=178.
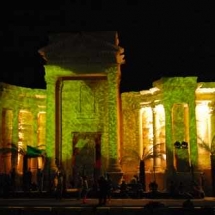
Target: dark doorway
x=86 y=154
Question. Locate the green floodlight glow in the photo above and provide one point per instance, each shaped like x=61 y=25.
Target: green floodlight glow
x=179 y=102
x=83 y=109
x=89 y=106
x=52 y=73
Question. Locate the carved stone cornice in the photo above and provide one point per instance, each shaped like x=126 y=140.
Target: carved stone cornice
x=176 y=83
x=85 y=48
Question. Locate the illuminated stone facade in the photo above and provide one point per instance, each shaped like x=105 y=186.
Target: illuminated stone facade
x=81 y=104
x=174 y=110
x=23 y=122
x=87 y=127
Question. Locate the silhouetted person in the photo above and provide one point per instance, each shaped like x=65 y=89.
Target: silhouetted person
x=188 y=204
x=134 y=180
x=6 y=185
x=13 y=179
x=80 y=183
x=182 y=191
x=28 y=179
x=55 y=184
x=197 y=191
x=153 y=187
x=85 y=189
x=124 y=189
x=103 y=190
x=40 y=179
x=172 y=189
x=59 y=191
x=109 y=187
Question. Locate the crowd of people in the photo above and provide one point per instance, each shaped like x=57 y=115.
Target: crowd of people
x=104 y=187
x=180 y=190
x=11 y=182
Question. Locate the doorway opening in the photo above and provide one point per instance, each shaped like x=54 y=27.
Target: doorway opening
x=86 y=155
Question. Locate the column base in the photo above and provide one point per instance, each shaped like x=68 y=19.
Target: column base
x=115 y=172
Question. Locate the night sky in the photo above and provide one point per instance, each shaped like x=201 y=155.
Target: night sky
x=159 y=40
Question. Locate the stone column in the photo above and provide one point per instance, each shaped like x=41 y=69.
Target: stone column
x=168 y=129
x=114 y=123
x=34 y=161
x=15 y=137
x=191 y=129
x=156 y=148
x=50 y=164
x=51 y=112
x=58 y=121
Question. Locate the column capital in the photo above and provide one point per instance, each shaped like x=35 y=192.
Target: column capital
x=114 y=75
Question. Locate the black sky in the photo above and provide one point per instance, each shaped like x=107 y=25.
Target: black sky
x=159 y=40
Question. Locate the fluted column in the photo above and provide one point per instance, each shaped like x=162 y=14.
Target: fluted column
x=168 y=129
x=191 y=129
x=156 y=148
x=15 y=137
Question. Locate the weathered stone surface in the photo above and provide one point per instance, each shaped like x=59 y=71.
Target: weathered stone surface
x=83 y=51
